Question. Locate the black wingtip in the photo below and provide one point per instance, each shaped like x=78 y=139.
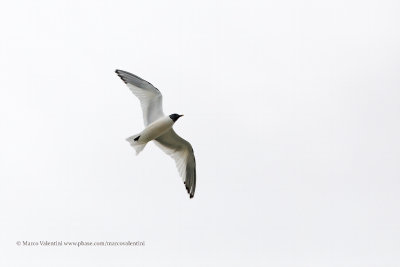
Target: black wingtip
x=191 y=194
x=117 y=71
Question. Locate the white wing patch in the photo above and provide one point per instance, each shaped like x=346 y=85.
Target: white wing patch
x=150 y=97
x=181 y=151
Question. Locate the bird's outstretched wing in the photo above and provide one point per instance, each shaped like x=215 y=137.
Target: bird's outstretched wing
x=149 y=96
x=182 y=152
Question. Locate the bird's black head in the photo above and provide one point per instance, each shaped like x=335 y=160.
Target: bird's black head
x=175 y=117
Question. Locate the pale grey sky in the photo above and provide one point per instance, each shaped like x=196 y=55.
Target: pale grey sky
x=292 y=108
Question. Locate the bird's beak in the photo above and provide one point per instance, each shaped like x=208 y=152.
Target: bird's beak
x=181 y=115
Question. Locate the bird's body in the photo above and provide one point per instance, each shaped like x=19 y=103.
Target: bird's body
x=158 y=128
x=150 y=132
x=155 y=129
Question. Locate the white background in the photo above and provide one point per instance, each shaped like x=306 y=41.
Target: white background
x=292 y=108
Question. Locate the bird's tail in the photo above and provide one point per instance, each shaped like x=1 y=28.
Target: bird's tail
x=135 y=143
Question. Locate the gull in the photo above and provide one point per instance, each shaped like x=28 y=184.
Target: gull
x=158 y=128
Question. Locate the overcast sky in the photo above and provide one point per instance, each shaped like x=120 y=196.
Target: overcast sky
x=292 y=108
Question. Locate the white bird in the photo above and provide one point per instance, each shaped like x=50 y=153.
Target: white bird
x=158 y=128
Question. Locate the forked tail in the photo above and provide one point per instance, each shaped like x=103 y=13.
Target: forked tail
x=135 y=143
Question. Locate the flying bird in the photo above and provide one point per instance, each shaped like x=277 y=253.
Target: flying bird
x=158 y=128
